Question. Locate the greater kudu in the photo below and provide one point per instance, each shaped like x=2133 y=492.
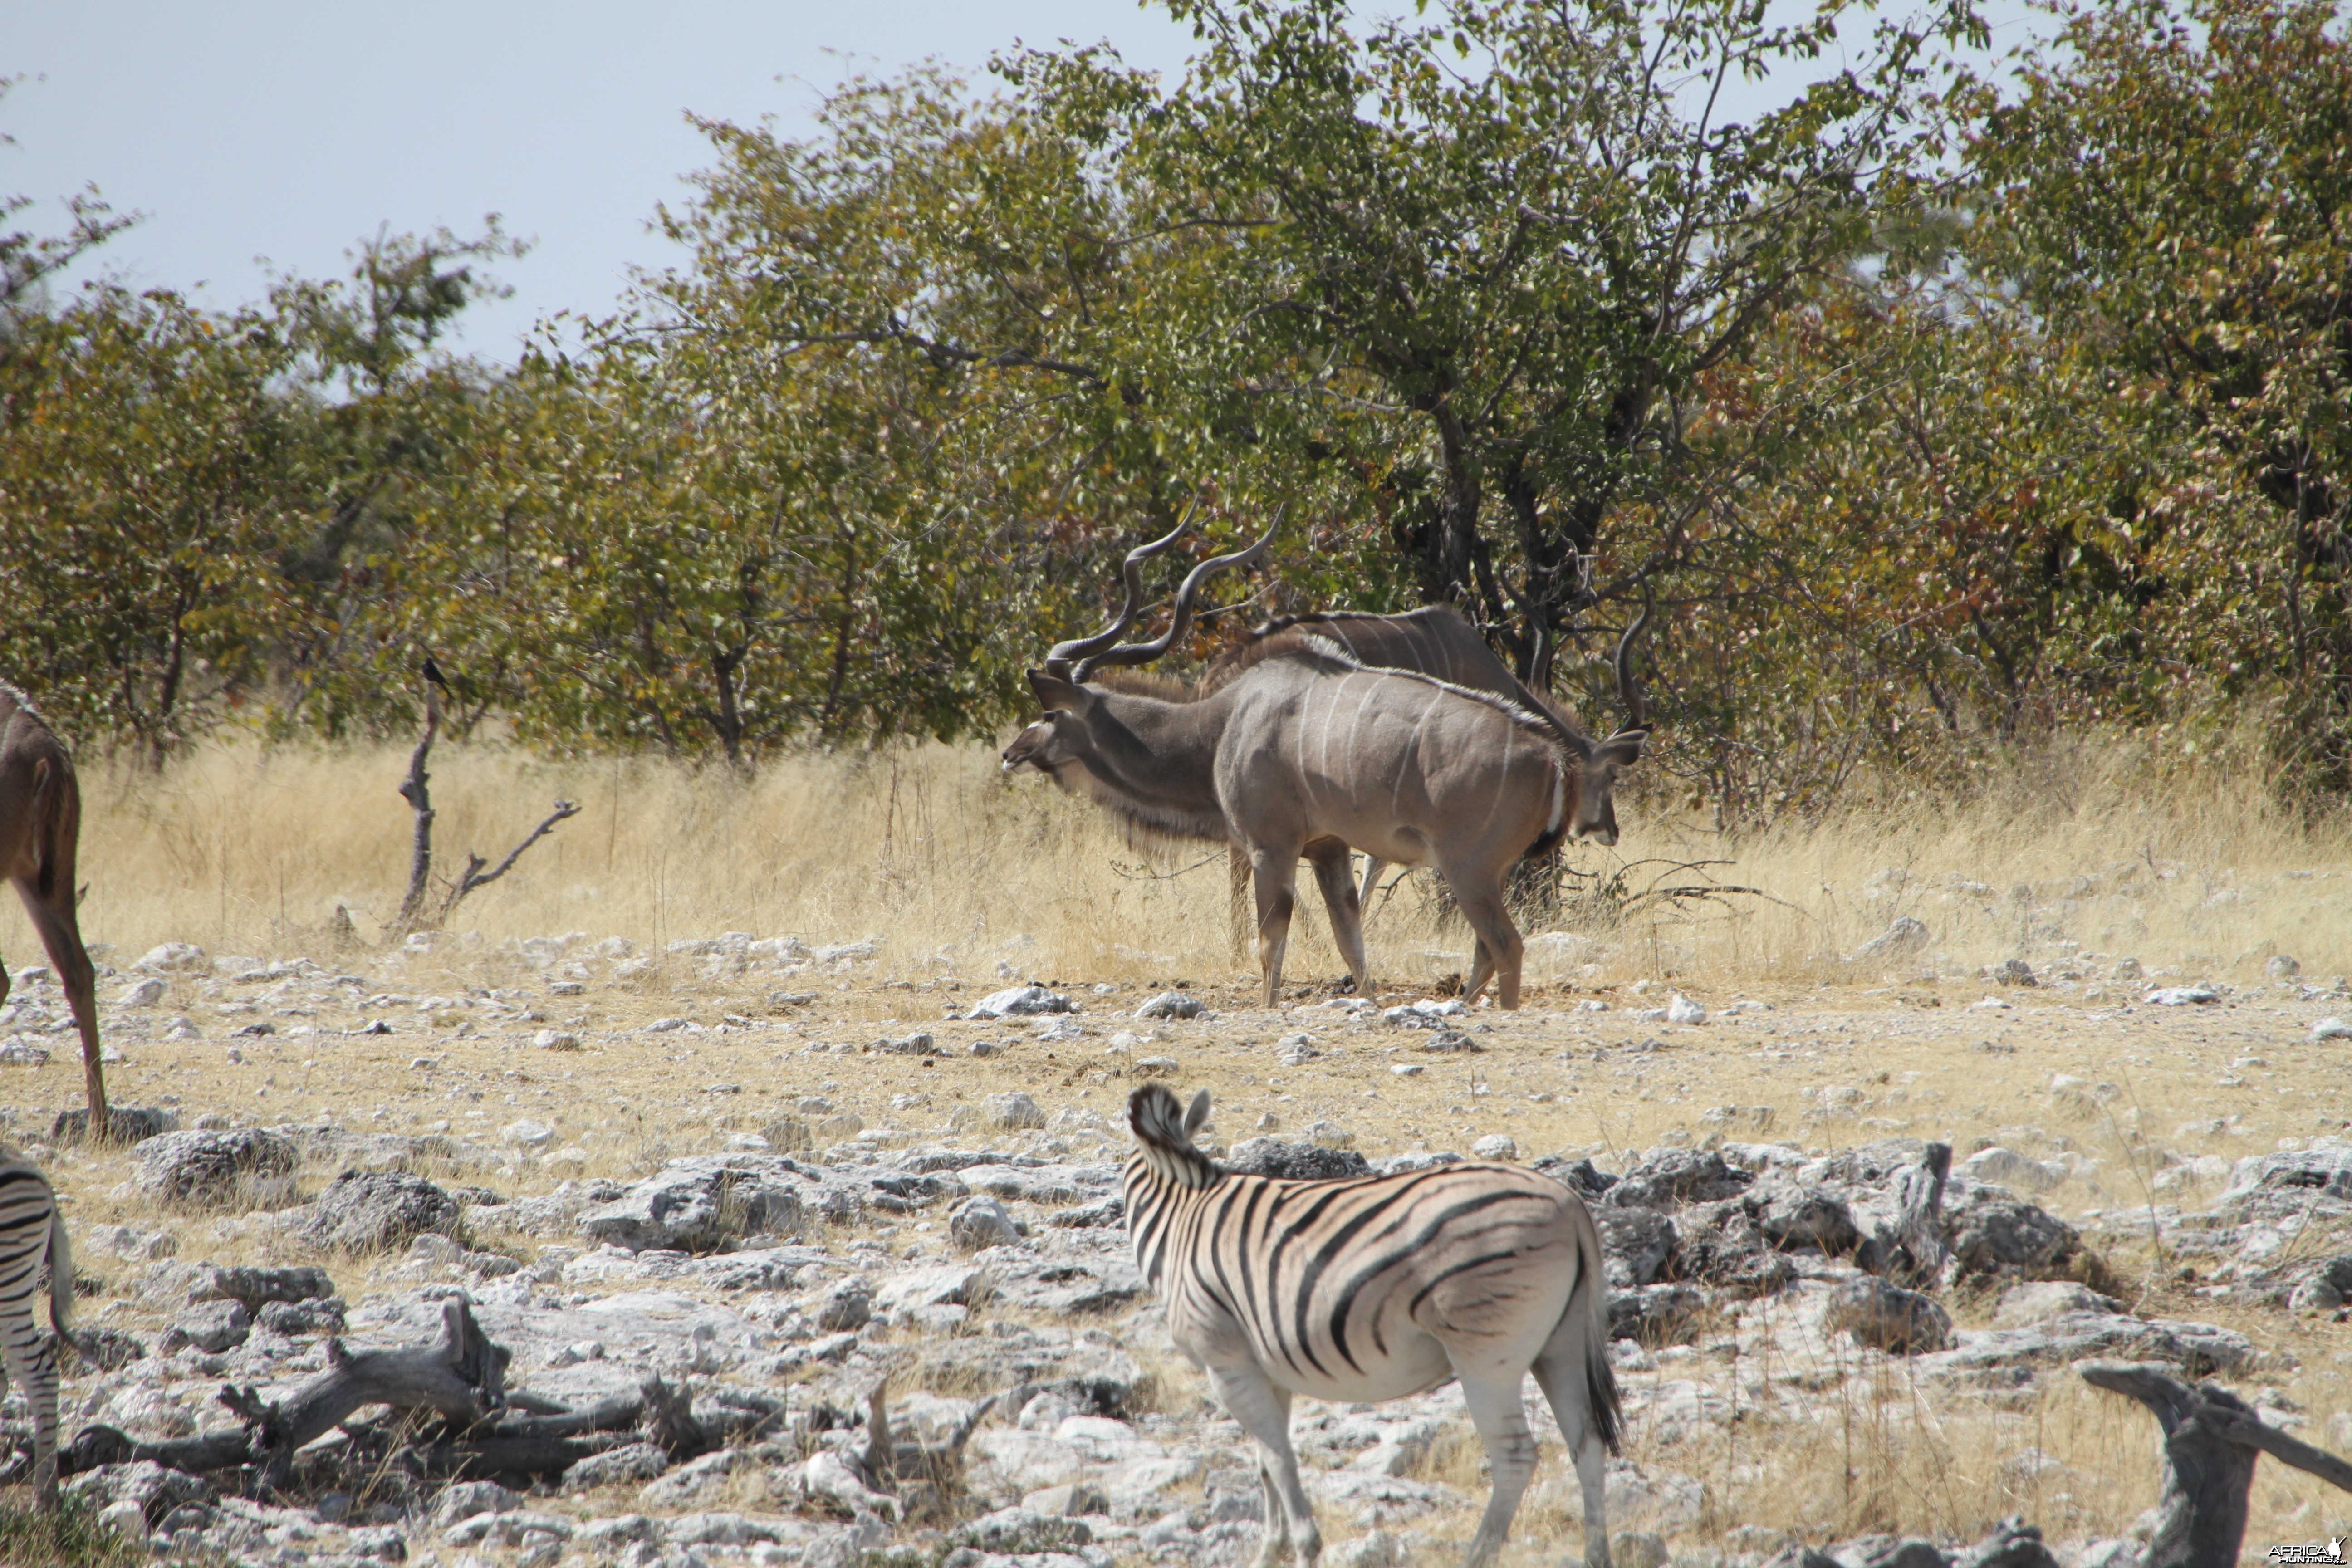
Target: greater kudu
x=1434 y=640
x=1304 y=749
x=40 y=827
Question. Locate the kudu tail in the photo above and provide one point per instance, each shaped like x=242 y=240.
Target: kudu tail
x=48 y=825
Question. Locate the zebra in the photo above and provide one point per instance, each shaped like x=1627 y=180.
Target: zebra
x=32 y=1232
x=1372 y=1287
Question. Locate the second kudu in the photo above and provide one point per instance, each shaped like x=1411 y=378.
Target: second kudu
x=1297 y=746
x=40 y=828
x=1434 y=640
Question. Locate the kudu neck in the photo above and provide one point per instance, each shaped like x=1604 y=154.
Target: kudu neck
x=1155 y=751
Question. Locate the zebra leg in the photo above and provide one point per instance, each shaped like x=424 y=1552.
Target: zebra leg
x=1331 y=869
x=1501 y=1418
x=30 y=1362
x=1275 y=1548
x=1560 y=1373
x=1251 y=1398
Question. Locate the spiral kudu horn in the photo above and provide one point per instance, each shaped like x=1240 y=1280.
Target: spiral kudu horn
x=1060 y=655
x=1629 y=690
x=1180 y=622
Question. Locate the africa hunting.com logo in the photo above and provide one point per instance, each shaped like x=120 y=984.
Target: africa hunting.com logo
x=2332 y=1552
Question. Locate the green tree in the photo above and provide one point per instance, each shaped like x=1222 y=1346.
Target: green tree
x=384 y=415
x=1448 y=288
x=2173 y=189
x=141 y=445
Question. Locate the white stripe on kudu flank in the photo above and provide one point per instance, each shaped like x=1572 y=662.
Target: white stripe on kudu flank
x=1410 y=756
x=1502 y=779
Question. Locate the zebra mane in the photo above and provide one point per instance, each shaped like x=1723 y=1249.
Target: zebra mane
x=1323 y=649
x=1163 y=1136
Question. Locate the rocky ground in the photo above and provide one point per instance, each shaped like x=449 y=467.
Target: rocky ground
x=1858 y=1233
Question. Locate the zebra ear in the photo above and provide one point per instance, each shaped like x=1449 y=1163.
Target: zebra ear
x=1198 y=1116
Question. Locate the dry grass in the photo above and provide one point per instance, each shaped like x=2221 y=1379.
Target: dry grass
x=2195 y=875
x=246 y=851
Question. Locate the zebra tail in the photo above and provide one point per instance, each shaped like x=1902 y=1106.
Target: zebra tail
x=60 y=1273
x=1592 y=1298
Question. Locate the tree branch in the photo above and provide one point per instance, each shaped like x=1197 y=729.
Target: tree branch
x=475 y=876
x=420 y=801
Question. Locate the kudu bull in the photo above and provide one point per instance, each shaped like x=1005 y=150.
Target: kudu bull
x=1434 y=640
x=1299 y=747
x=40 y=828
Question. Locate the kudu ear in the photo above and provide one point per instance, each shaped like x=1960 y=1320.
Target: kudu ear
x=1056 y=694
x=1198 y=1116
x=1623 y=749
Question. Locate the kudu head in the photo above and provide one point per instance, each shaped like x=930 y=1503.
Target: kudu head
x=1592 y=806
x=1062 y=736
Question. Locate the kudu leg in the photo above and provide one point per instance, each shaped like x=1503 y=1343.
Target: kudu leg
x=1499 y=949
x=1275 y=873
x=1334 y=875
x=53 y=917
x=1237 y=879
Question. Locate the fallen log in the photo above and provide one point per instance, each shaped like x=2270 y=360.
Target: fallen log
x=2211 y=1439
x=486 y=1431
x=96 y=1444
x=461 y=1377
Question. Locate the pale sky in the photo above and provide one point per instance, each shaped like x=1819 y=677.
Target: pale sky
x=271 y=129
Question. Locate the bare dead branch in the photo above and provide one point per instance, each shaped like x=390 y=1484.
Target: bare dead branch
x=2212 y=1440
x=412 y=789
x=475 y=877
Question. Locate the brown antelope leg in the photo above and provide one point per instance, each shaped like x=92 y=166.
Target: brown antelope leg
x=1237 y=878
x=1335 y=873
x=1275 y=873
x=53 y=917
x=1499 y=948
x=1482 y=969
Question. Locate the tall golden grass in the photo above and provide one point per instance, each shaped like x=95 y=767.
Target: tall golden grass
x=244 y=849
x=2196 y=870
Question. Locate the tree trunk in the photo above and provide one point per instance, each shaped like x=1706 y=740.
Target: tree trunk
x=414 y=790
x=2211 y=1439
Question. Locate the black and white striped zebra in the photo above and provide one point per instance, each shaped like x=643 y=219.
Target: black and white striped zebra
x=1372 y=1287
x=32 y=1232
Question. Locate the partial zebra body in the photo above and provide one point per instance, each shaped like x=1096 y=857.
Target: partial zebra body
x=1374 y=1288
x=32 y=1235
